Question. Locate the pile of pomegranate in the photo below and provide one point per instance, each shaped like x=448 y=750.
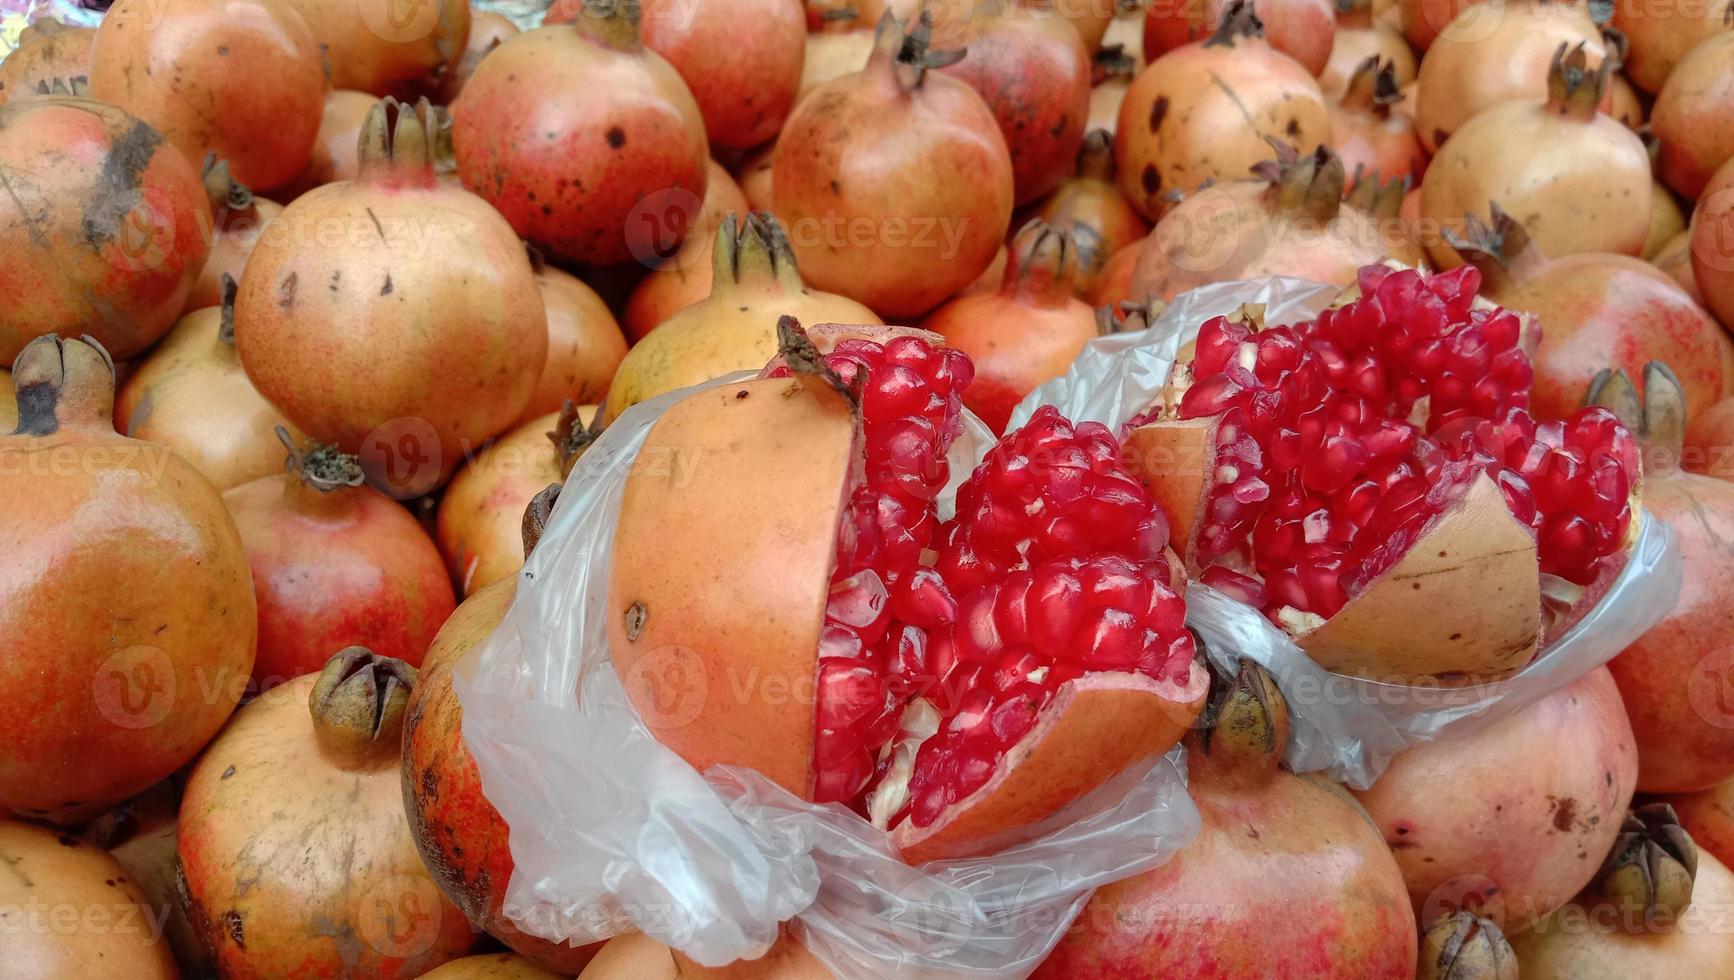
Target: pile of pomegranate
x=313 y=311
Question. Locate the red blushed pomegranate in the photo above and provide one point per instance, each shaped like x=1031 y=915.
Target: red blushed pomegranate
x=1288 y=221
x=1655 y=910
x=1090 y=208
x=1373 y=481
x=1690 y=114
x=741 y=58
x=46 y=50
x=753 y=282
x=127 y=584
x=1033 y=71
x=1207 y=111
x=1596 y=311
x=1287 y=878
x=297 y=856
x=241 y=218
x=1302 y=29
x=241 y=78
x=1659 y=37
x=109 y=936
x=894 y=183
x=1712 y=244
x=1513 y=820
x=1708 y=815
x=415 y=340
x=1710 y=442
x=1576 y=179
x=585 y=345
x=1671 y=676
x=460 y=836
x=1027 y=331
x=488 y=31
x=1496 y=53
x=382 y=50
x=103 y=228
x=335 y=564
x=480 y=529
x=566 y=168
x=191 y=395
x=1369 y=133
x=960 y=704
x=1354 y=45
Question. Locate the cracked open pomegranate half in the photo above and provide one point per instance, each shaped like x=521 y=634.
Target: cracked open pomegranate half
x=1373 y=481
x=960 y=684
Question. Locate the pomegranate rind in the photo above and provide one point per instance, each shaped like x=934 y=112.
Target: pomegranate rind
x=1173 y=458
x=723 y=494
x=1465 y=599
x=1095 y=727
x=826 y=336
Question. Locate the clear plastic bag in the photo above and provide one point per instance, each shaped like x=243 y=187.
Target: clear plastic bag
x=1344 y=726
x=611 y=831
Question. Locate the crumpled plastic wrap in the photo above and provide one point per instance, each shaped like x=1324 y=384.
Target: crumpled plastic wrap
x=1346 y=727
x=611 y=831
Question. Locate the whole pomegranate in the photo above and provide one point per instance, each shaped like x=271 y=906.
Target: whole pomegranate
x=191 y=395
x=1655 y=910
x=1207 y=110
x=335 y=564
x=571 y=171
x=1576 y=179
x=1025 y=332
x=241 y=218
x=1500 y=52
x=741 y=58
x=1354 y=45
x=45 y=51
x=753 y=282
x=1287 y=878
x=1288 y=220
x=1302 y=29
x=1089 y=207
x=1690 y=115
x=110 y=936
x=334 y=155
x=242 y=78
x=1510 y=821
x=382 y=49
x=1659 y=36
x=103 y=225
x=894 y=182
x=130 y=614
x=1368 y=132
x=585 y=345
x=1712 y=245
x=414 y=341
x=488 y=30
x=1373 y=481
x=1708 y=815
x=1033 y=71
x=297 y=856
x=1671 y=677
x=480 y=526
x=1596 y=311
x=963 y=704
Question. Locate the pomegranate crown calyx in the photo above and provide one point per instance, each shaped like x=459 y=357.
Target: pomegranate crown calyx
x=1373 y=87
x=1380 y=199
x=1042 y=264
x=1096 y=156
x=571 y=436
x=1114 y=62
x=754 y=251
x=796 y=350
x=75 y=86
x=1573 y=90
x=1464 y=944
x=910 y=54
x=59 y=381
x=1245 y=716
x=1311 y=186
x=610 y=23
x=358 y=704
x=536 y=514
x=226 y=193
x=1651 y=867
x=400 y=142
x=1657 y=417
x=1239 y=20
x=1500 y=249
x=324 y=468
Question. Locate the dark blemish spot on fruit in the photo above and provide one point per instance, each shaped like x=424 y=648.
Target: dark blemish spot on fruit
x=1438 y=137
x=1441 y=554
x=378 y=230
x=636 y=615
x=223 y=50
x=743 y=309
x=1457 y=636
x=836 y=188
x=336 y=277
x=547 y=210
x=1564 y=811
x=232 y=922
x=1416 y=586
x=742 y=393
x=616 y=137
x=1293 y=127
x=1158 y=112
x=66 y=841
x=227 y=773
x=286 y=292
x=430 y=784
x=385 y=290
x=1152 y=179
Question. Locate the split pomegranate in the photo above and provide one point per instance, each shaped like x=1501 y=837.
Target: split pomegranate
x=1712 y=245
x=191 y=395
x=1658 y=37
x=1024 y=333
x=45 y=51
x=488 y=31
x=1655 y=911
x=960 y=704
x=585 y=345
x=1671 y=676
x=569 y=168
x=109 y=936
x=1465 y=946
x=1596 y=311
x=1354 y=45
x=1690 y=116
x=1576 y=179
x=103 y=226
x=414 y=341
x=1090 y=208
x=1286 y=879
x=1369 y=134
x=1708 y=815
x=335 y=564
x=1033 y=72
x=242 y=78
x=1207 y=110
x=894 y=182
x=241 y=218
x=685 y=278
x=297 y=856
x=1302 y=29
x=1511 y=821
x=1373 y=481
x=128 y=590
x=753 y=282
x=382 y=49
x=1287 y=221
x=741 y=58
x=1500 y=52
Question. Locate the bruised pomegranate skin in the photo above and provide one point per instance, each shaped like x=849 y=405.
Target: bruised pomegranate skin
x=1512 y=820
